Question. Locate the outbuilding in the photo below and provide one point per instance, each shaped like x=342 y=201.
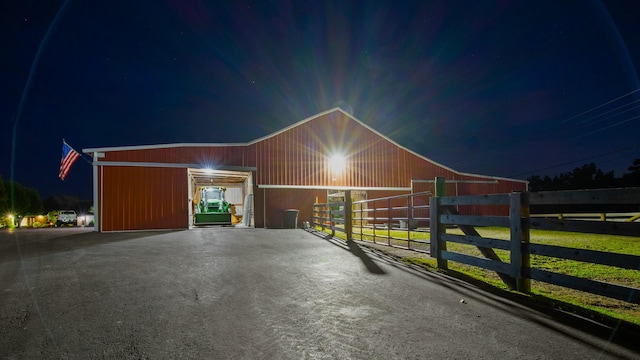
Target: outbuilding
x=155 y=186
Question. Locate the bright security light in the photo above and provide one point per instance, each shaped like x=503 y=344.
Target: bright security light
x=337 y=163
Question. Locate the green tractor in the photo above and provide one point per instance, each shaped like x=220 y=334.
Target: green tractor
x=211 y=207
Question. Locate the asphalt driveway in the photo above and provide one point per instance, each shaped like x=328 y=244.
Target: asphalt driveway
x=228 y=293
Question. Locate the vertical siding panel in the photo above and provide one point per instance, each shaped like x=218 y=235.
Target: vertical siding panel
x=374 y=167
x=145 y=210
x=265 y=152
x=361 y=164
x=286 y=163
x=314 y=162
x=133 y=180
x=265 y=169
x=269 y=160
x=365 y=162
x=378 y=164
x=305 y=156
x=293 y=156
x=258 y=163
x=127 y=201
x=260 y=166
x=372 y=163
x=287 y=155
x=274 y=163
x=399 y=176
x=318 y=164
x=384 y=163
x=289 y=162
x=281 y=168
x=277 y=168
x=295 y=149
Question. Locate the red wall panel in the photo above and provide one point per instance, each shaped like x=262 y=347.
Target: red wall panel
x=136 y=198
x=279 y=200
x=206 y=156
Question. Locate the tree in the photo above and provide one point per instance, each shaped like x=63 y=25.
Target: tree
x=632 y=178
x=4 y=198
x=26 y=201
x=587 y=176
x=590 y=177
x=536 y=183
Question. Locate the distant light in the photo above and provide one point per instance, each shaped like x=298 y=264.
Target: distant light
x=337 y=163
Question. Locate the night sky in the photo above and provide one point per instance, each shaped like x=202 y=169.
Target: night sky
x=501 y=88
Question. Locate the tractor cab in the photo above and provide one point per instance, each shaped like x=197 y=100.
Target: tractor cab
x=211 y=207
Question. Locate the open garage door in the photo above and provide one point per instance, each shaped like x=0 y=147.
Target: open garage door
x=238 y=193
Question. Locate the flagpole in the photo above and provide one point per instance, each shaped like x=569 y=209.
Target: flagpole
x=82 y=155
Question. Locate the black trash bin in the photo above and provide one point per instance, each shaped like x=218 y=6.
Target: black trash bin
x=290 y=219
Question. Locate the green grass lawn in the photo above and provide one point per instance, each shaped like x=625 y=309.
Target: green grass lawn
x=542 y=291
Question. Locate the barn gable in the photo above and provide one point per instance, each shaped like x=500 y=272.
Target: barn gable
x=300 y=155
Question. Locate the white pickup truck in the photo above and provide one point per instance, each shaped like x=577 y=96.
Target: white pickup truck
x=67 y=217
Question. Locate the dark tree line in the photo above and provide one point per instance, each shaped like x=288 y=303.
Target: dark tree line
x=17 y=199
x=587 y=176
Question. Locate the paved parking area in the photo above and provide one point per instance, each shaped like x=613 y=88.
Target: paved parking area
x=228 y=293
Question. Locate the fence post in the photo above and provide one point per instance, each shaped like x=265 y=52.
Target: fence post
x=389 y=222
x=348 y=215
x=440 y=186
x=375 y=222
x=526 y=238
x=519 y=239
x=437 y=246
x=409 y=219
x=361 y=222
x=333 y=230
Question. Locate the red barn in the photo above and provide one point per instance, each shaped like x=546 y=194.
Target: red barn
x=154 y=186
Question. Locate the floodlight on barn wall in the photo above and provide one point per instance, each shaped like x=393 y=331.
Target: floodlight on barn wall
x=337 y=165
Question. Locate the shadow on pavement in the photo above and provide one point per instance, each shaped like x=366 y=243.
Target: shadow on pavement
x=366 y=260
x=352 y=247
x=518 y=305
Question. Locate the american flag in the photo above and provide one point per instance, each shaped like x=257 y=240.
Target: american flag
x=69 y=156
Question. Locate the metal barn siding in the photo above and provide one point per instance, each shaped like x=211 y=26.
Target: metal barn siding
x=139 y=198
x=299 y=156
x=276 y=201
x=203 y=154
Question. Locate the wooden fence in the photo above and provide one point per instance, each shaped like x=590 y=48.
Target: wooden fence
x=517 y=272
x=382 y=219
